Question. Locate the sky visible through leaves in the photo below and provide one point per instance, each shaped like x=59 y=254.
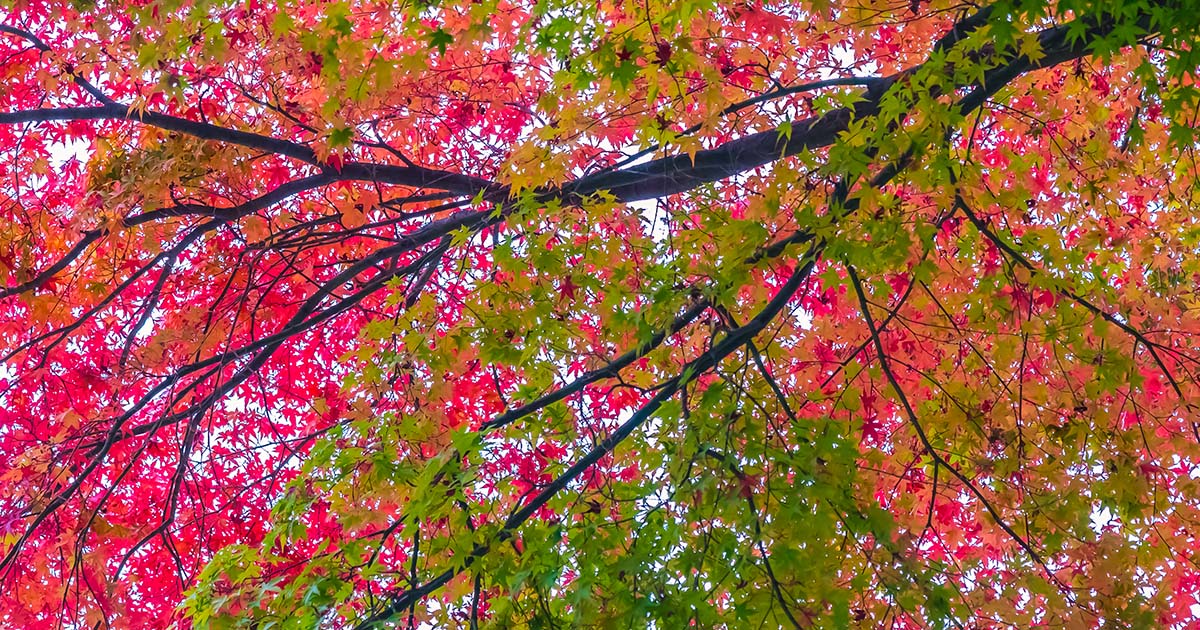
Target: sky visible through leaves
x=504 y=314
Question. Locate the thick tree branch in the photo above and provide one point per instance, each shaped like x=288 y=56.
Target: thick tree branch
x=417 y=177
x=732 y=342
x=679 y=173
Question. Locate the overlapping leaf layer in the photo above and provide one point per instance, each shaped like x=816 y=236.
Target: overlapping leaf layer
x=667 y=314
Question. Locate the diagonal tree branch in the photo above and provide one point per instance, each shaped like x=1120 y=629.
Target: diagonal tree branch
x=911 y=415
x=679 y=173
x=735 y=340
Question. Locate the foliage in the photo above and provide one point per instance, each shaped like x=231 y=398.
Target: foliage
x=551 y=314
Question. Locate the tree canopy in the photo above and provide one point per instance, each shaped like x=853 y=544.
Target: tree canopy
x=548 y=314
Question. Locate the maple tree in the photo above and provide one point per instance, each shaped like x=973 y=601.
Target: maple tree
x=660 y=314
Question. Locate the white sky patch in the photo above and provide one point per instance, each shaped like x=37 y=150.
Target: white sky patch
x=63 y=152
